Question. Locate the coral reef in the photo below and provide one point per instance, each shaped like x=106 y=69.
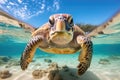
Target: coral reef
x=5 y=74
x=53 y=66
x=4 y=59
x=113 y=57
x=56 y=72
x=48 y=60
x=65 y=68
x=104 y=61
x=52 y=71
x=37 y=74
x=12 y=62
x=108 y=59
x=54 y=75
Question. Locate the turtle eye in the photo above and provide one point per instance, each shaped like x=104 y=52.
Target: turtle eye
x=70 y=21
x=51 y=21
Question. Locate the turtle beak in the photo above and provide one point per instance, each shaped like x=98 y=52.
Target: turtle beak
x=60 y=25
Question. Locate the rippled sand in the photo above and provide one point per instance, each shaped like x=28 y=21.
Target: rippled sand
x=96 y=71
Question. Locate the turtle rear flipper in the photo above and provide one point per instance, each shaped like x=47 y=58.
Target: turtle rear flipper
x=86 y=54
x=29 y=51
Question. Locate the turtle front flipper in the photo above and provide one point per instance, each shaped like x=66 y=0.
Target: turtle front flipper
x=29 y=51
x=86 y=53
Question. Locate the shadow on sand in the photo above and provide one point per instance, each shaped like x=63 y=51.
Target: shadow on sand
x=71 y=74
x=89 y=75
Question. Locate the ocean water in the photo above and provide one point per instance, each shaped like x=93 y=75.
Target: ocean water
x=14 y=39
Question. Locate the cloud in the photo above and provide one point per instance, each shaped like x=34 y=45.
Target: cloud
x=9 y=7
x=56 y=5
x=20 y=1
x=26 y=9
x=42 y=6
x=3 y=1
x=23 y=12
x=11 y=3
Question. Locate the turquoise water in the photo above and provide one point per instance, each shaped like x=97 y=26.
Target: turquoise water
x=16 y=49
x=14 y=39
x=106 y=47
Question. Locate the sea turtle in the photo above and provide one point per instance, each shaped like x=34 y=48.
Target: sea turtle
x=60 y=36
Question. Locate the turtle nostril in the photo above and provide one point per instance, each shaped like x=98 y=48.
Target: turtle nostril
x=53 y=28
x=61 y=18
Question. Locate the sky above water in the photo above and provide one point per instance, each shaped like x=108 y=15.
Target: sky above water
x=37 y=12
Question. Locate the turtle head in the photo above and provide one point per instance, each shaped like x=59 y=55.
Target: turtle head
x=61 y=28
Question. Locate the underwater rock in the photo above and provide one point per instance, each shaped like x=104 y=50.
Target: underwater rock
x=113 y=57
x=13 y=62
x=65 y=68
x=48 y=60
x=5 y=74
x=104 y=61
x=9 y=57
x=58 y=77
x=7 y=66
x=52 y=72
x=54 y=75
x=37 y=74
x=5 y=58
x=1 y=62
x=53 y=66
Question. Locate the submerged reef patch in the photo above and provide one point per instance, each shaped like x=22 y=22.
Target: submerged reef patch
x=48 y=60
x=104 y=61
x=109 y=59
x=4 y=59
x=113 y=57
x=5 y=74
x=55 y=72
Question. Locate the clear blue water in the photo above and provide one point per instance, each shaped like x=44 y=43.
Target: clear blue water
x=13 y=41
x=15 y=49
x=11 y=46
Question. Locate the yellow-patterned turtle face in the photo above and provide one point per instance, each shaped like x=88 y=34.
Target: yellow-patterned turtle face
x=61 y=28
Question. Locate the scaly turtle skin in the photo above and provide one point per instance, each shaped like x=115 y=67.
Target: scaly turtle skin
x=59 y=36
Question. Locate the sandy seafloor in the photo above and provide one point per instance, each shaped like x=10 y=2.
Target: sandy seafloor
x=105 y=63
x=96 y=71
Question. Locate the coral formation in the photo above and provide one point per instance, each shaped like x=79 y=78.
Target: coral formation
x=5 y=58
x=37 y=74
x=53 y=65
x=4 y=74
x=113 y=57
x=65 y=68
x=12 y=62
x=58 y=77
x=104 y=61
x=55 y=72
x=54 y=75
x=52 y=71
x=48 y=60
